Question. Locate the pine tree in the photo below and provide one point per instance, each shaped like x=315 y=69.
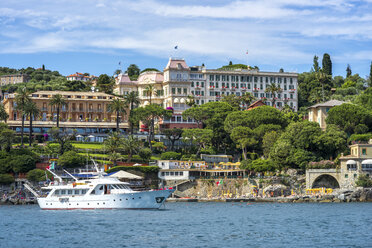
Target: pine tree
x=327 y=64
x=315 y=63
x=348 y=71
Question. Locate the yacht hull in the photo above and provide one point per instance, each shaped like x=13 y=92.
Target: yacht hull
x=134 y=200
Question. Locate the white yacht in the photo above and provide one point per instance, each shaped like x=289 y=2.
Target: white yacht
x=101 y=193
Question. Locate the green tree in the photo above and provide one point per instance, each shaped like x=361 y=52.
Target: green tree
x=22 y=163
x=133 y=72
x=190 y=101
x=196 y=113
x=364 y=181
x=145 y=154
x=365 y=99
x=273 y=89
x=173 y=135
x=150 y=69
x=131 y=146
x=6 y=138
x=117 y=106
x=3 y=114
x=113 y=143
x=32 y=111
x=114 y=157
x=348 y=71
x=233 y=100
x=71 y=159
x=62 y=137
x=327 y=64
x=22 y=99
x=57 y=102
x=148 y=114
x=348 y=116
x=37 y=175
x=131 y=100
x=315 y=64
x=199 y=137
x=105 y=83
x=6 y=179
x=150 y=91
x=268 y=142
x=259 y=165
x=247 y=98
x=245 y=138
x=370 y=75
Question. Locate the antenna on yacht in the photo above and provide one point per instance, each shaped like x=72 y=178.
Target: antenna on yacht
x=100 y=173
x=70 y=175
x=54 y=174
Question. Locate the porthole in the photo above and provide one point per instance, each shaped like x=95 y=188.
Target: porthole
x=97 y=203
x=126 y=199
x=103 y=203
x=139 y=197
x=114 y=199
x=120 y=199
x=47 y=204
x=133 y=198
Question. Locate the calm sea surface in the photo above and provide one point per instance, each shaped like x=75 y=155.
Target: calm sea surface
x=191 y=225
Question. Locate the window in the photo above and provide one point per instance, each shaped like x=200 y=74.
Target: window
x=202 y=84
x=179 y=91
x=192 y=84
x=364 y=151
x=185 y=91
x=211 y=77
x=173 y=90
x=217 y=77
x=346 y=175
x=216 y=85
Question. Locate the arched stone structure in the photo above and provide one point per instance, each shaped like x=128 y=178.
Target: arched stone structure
x=325 y=181
x=319 y=177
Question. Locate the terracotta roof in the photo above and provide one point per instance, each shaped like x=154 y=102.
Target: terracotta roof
x=175 y=63
x=256 y=104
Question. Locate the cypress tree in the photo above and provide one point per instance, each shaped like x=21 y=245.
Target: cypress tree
x=370 y=75
x=327 y=64
x=315 y=64
x=348 y=71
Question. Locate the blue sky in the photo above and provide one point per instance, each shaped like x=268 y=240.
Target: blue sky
x=94 y=35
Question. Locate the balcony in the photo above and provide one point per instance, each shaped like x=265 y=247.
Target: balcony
x=77 y=110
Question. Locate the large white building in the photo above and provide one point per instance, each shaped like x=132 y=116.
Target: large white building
x=178 y=81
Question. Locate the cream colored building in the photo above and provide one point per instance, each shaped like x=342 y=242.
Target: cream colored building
x=178 y=81
x=14 y=79
x=87 y=112
x=319 y=112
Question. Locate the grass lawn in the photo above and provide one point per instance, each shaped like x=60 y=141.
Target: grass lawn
x=87 y=146
x=94 y=155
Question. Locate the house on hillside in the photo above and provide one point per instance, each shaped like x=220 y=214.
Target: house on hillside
x=319 y=112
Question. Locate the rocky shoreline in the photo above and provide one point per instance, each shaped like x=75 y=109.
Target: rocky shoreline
x=358 y=195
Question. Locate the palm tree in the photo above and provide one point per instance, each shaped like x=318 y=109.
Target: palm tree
x=131 y=145
x=118 y=106
x=57 y=100
x=247 y=98
x=32 y=111
x=22 y=99
x=6 y=139
x=131 y=99
x=190 y=101
x=273 y=89
x=150 y=91
x=3 y=114
x=114 y=157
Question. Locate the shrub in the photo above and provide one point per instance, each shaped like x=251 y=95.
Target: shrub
x=37 y=175
x=259 y=165
x=145 y=154
x=71 y=159
x=355 y=138
x=170 y=156
x=22 y=163
x=364 y=181
x=324 y=164
x=143 y=169
x=6 y=179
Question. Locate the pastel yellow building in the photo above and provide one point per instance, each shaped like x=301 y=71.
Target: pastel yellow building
x=87 y=112
x=319 y=112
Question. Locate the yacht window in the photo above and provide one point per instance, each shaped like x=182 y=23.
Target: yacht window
x=112 y=186
x=93 y=192
x=101 y=188
x=69 y=192
x=56 y=192
x=83 y=191
x=121 y=186
x=115 y=186
x=76 y=192
x=63 y=192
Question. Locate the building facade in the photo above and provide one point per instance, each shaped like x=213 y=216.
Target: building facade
x=178 y=82
x=319 y=112
x=14 y=79
x=86 y=112
x=80 y=76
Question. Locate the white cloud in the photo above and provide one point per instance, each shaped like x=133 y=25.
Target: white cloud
x=275 y=32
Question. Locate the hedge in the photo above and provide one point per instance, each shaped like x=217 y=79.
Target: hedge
x=143 y=169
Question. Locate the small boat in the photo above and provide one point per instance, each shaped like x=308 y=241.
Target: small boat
x=99 y=193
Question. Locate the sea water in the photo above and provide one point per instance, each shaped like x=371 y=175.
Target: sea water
x=191 y=225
